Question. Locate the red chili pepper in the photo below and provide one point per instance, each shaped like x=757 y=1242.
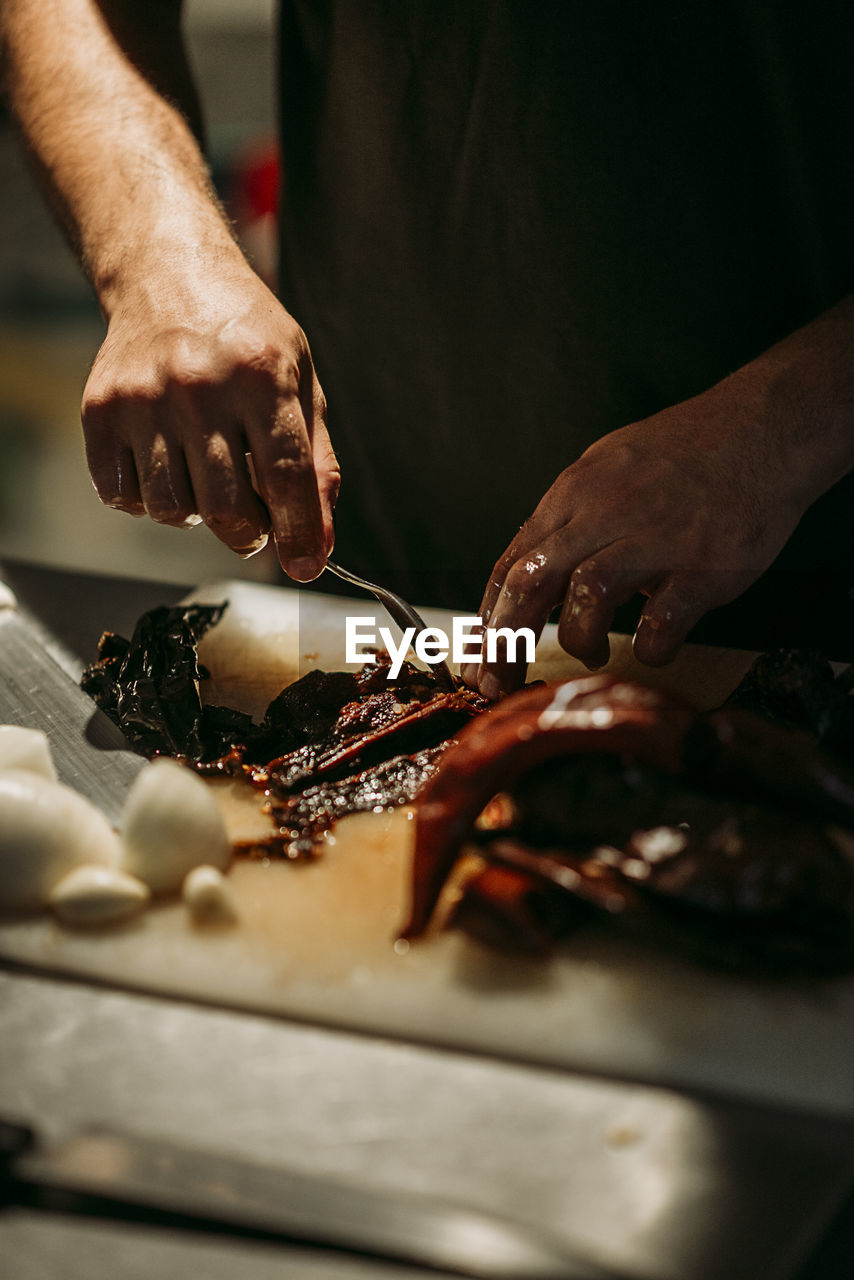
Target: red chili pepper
x=591 y=714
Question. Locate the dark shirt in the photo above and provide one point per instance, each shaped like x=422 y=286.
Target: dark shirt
x=510 y=227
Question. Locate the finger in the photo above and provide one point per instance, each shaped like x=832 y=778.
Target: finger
x=284 y=470
x=496 y=581
x=523 y=546
x=597 y=587
x=532 y=586
x=164 y=484
x=113 y=472
x=223 y=490
x=326 y=468
x=469 y=670
x=109 y=457
x=552 y=513
x=670 y=613
x=504 y=663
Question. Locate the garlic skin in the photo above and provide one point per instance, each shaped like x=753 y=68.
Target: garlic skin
x=208 y=896
x=46 y=830
x=170 y=824
x=27 y=749
x=95 y=895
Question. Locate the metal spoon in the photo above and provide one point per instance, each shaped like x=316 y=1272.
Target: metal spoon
x=397 y=609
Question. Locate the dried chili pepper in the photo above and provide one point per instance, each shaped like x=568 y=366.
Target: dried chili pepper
x=593 y=714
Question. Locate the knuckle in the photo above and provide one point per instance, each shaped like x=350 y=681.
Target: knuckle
x=288 y=437
x=217 y=454
x=524 y=576
x=523 y=546
x=332 y=483
x=187 y=361
x=188 y=375
x=589 y=582
x=261 y=366
x=683 y=595
x=259 y=357
x=94 y=406
x=288 y=443
x=158 y=459
x=513 y=588
x=101 y=404
x=500 y=568
x=666 y=624
x=285 y=473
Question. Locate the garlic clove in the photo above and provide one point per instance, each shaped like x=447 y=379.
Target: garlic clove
x=46 y=830
x=208 y=896
x=94 y=895
x=26 y=749
x=171 y=823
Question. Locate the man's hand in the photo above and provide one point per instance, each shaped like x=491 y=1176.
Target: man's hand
x=202 y=402
x=190 y=385
x=689 y=506
x=645 y=509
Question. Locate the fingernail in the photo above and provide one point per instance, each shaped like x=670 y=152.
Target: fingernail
x=304 y=568
x=191 y=522
x=489 y=687
x=246 y=553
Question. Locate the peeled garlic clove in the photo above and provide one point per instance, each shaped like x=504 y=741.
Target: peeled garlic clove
x=208 y=896
x=92 y=895
x=171 y=823
x=46 y=830
x=26 y=749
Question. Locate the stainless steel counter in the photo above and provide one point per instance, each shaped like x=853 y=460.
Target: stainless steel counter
x=663 y=1186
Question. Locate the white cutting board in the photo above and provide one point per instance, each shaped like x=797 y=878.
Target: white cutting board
x=316 y=941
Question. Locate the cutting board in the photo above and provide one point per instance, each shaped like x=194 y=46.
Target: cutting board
x=316 y=940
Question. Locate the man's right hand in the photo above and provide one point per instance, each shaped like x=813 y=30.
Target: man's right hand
x=202 y=401
x=192 y=382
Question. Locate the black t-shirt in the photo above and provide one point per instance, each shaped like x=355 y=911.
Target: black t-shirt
x=510 y=227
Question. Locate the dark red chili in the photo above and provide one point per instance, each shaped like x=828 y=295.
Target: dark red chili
x=592 y=714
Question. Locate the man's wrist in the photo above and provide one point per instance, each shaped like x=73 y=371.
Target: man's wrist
x=159 y=270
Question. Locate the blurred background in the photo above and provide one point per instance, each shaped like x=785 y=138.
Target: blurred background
x=50 y=325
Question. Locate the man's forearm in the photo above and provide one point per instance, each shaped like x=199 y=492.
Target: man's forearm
x=201 y=367
x=802 y=390
x=120 y=161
